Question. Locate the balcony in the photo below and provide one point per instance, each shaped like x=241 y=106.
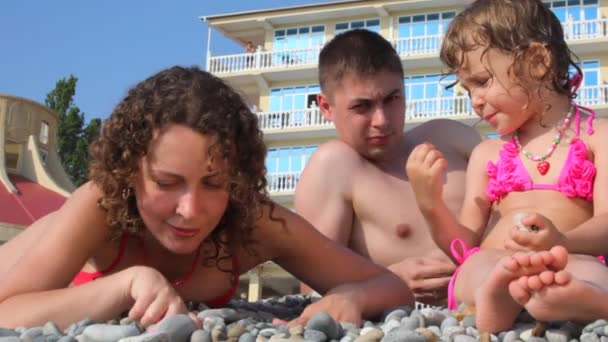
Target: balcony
x=411 y=47
x=282 y=182
x=264 y=60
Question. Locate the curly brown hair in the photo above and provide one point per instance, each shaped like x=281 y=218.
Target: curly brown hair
x=512 y=26
x=203 y=102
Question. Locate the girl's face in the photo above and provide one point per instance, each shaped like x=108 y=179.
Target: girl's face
x=181 y=189
x=497 y=96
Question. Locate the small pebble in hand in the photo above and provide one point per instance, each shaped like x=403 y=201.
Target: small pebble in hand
x=517 y=218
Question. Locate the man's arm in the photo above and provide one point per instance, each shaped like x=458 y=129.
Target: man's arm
x=323 y=192
x=450 y=135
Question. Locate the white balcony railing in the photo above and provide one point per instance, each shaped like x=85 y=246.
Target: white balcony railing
x=282 y=181
x=592 y=95
x=419 y=45
x=262 y=60
x=453 y=107
x=299 y=118
x=585 y=29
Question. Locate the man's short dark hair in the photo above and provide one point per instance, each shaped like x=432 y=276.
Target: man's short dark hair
x=359 y=51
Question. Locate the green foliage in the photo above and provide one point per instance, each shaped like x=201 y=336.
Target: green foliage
x=73 y=137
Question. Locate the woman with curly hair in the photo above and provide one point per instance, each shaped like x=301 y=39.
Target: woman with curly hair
x=175 y=210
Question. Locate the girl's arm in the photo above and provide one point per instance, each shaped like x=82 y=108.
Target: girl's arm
x=425 y=169
x=591 y=237
x=353 y=286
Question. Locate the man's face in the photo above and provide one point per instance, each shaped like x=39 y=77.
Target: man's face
x=368 y=112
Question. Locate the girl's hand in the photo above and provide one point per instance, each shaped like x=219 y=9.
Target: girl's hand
x=154 y=297
x=540 y=235
x=343 y=303
x=425 y=167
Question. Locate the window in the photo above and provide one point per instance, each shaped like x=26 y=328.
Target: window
x=590 y=92
x=11 y=156
x=294 y=100
x=576 y=10
x=288 y=159
x=44 y=133
x=422 y=33
x=424 y=25
x=370 y=24
x=428 y=94
x=43 y=155
x=299 y=38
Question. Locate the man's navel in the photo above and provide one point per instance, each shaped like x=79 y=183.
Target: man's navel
x=403 y=230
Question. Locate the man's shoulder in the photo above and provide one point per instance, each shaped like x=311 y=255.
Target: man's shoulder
x=335 y=150
x=442 y=129
x=447 y=135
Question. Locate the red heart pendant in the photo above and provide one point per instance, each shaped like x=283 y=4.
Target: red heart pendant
x=543 y=167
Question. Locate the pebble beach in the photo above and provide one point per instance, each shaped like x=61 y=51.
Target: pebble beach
x=242 y=321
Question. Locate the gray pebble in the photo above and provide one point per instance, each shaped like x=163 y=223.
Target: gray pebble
x=323 y=322
x=201 y=336
x=468 y=321
x=373 y=334
x=9 y=339
x=315 y=335
x=229 y=315
x=591 y=326
x=50 y=328
x=395 y=315
x=402 y=335
x=557 y=335
x=178 y=327
x=32 y=333
x=67 y=338
x=246 y=337
x=4 y=332
x=590 y=337
x=449 y=322
x=464 y=338
x=109 y=333
x=150 y=337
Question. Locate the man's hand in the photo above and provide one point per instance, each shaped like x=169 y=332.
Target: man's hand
x=540 y=235
x=428 y=278
x=424 y=168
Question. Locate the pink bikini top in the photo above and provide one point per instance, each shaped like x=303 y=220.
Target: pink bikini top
x=576 y=177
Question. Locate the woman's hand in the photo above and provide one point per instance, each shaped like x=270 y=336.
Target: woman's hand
x=154 y=297
x=343 y=303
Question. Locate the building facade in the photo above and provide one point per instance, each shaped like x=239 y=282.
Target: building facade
x=32 y=180
x=279 y=79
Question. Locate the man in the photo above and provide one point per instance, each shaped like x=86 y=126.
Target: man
x=354 y=189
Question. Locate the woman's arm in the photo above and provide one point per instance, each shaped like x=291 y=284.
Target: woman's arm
x=329 y=268
x=33 y=289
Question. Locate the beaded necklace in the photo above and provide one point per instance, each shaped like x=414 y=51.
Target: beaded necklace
x=542 y=165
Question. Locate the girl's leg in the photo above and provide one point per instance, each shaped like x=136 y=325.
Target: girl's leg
x=579 y=292
x=484 y=280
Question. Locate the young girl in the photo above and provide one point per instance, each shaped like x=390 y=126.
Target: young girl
x=547 y=171
x=175 y=211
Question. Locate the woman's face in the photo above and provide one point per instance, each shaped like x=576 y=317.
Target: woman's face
x=181 y=188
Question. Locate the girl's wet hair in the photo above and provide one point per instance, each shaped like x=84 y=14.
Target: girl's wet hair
x=512 y=26
x=204 y=103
